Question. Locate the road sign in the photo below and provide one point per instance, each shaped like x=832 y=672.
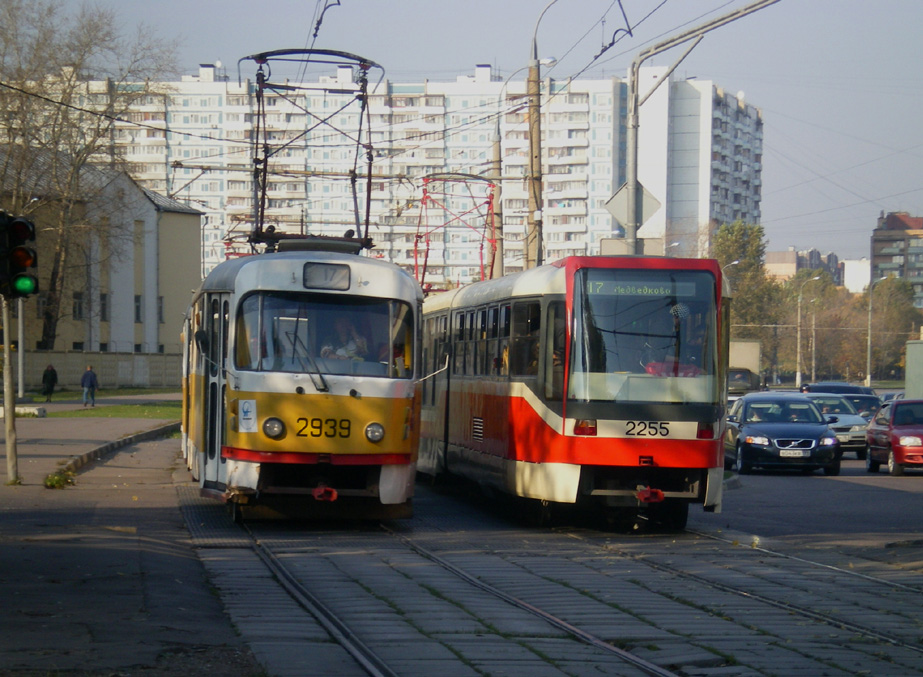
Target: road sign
x=617 y=205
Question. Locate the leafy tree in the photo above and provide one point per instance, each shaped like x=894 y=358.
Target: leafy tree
x=54 y=127
x=895 y=320
x=740 y=248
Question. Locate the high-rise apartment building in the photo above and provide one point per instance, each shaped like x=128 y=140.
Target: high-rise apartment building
x=897 y=250
x=700 y=154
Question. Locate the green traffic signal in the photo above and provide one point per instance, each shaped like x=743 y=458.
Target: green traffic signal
x=24 y=285
x=19 y=258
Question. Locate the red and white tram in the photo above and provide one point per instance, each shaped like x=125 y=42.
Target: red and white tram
x=592 y=379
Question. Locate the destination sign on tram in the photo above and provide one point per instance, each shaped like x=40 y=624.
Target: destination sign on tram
x=616 y=288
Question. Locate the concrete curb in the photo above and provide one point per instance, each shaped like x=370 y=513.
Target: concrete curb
x=77 y=462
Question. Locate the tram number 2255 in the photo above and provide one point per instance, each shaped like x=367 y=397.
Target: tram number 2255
x=323 y=427
x=647 y=428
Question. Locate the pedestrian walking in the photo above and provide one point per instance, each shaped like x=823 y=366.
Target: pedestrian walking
x=49 y=381
x=90 y=384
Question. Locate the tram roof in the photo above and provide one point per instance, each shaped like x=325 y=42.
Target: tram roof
x=373 y=277
x=542 y=280
x=548 y=279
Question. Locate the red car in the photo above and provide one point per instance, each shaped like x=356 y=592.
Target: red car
x=895 y=437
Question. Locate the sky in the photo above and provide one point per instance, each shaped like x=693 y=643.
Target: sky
x=840 y=82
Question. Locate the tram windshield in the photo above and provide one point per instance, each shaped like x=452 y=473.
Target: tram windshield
x=314 y=333
x=644 y=336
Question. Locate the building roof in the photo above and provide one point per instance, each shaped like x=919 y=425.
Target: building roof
x=900 y=221
x=162 y=203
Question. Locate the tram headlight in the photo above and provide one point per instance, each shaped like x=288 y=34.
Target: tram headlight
x=374 y=432
x=274 y=428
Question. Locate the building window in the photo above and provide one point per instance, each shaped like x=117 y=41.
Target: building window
x=104 y=307
x=77 y=311
x=137 y=347
x=104 y=347
x=77 y=345
x=138 y=319
x=160 y=309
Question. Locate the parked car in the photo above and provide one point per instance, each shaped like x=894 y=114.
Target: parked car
x=846 y=422
x=779 y=430
x=835 y=387
x=895 y=437
x=866 y=405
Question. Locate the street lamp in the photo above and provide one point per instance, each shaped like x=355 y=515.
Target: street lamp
x=798 y=352
x=868 y=353
x=635 y=100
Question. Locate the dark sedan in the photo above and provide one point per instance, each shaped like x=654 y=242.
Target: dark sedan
x=895 y=437
x=773 y=430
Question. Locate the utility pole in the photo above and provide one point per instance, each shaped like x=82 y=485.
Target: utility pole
x=496 y=171
x=533 y=245
x=9 y=398
x=634 y=105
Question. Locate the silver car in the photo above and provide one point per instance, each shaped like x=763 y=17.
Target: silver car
x=849 y=427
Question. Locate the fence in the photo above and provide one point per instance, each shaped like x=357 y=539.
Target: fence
x=113 y=370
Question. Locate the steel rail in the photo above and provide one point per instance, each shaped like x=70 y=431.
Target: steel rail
x=627 y=656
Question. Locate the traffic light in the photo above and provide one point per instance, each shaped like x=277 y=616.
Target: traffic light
x=20 y=258
x=5 y=221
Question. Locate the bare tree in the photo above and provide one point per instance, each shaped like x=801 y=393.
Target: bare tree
x=57 y=127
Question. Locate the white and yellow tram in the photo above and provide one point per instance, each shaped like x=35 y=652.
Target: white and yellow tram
x=276 y=418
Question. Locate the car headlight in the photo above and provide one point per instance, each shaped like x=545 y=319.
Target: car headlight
x=374 y=432
x=910 y=441
x=757 y=439
x=827 y=441
x=274 y=428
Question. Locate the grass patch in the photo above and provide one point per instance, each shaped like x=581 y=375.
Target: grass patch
x=76 y=395
x=169 y=409
x=59 y=479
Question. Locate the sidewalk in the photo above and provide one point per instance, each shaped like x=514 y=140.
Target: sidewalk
x=99 y=578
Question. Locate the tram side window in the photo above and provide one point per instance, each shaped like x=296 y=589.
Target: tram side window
x=214 y=337
x=483 y=356
x=503 y=341
x=524 y=340
x=400 y=361
x=471 y=345
x=459 y=341
x=557 y=344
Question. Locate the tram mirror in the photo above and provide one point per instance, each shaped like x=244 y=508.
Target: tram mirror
x=201 y=340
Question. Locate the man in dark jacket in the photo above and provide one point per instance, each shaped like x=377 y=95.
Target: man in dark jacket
x=49 y=381
x=89 y=384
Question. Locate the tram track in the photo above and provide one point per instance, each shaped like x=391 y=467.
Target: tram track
x=375 y=666
x=652 y=605
x=789 y=607
x=367 y=659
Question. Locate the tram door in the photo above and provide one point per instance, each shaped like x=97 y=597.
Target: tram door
x=214 y=416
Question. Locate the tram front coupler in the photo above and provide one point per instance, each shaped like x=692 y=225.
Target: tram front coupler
x=324 y=493
x=647 y=495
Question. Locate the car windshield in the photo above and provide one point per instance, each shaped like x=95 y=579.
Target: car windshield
x=834 y=405
x=866 y=405
x=908 y=414
x=781 y=412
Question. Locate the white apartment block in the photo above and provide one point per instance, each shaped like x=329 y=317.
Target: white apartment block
x=699 y=154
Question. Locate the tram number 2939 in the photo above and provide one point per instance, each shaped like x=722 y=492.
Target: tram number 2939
x=323 y=427
x=647 y=428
